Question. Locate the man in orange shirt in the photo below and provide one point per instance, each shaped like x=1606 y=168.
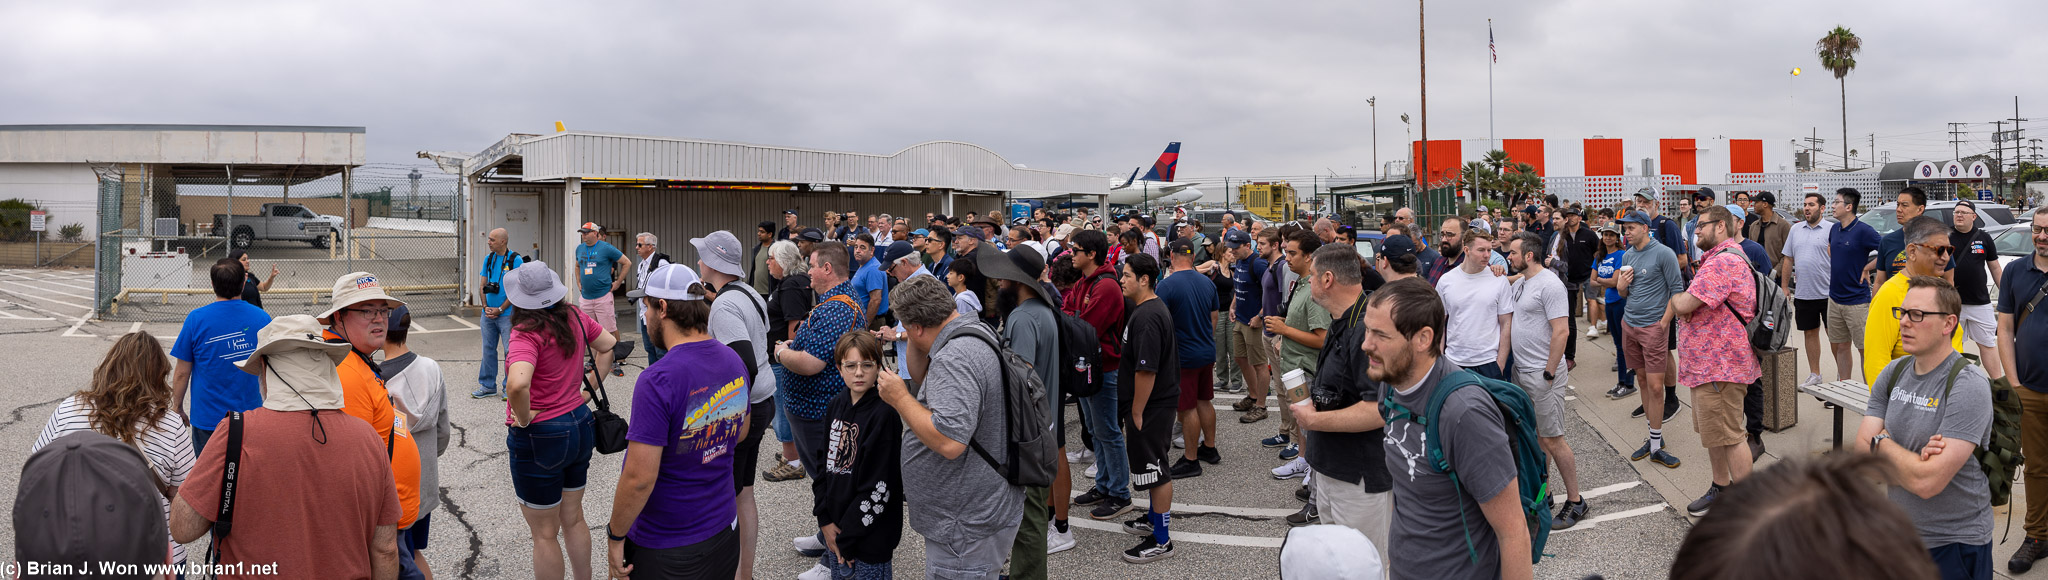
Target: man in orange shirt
x=360 y=316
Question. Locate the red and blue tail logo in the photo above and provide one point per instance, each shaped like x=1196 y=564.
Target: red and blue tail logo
x=1162 y=170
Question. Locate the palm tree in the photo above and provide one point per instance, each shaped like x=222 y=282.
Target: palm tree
x=1496 y=160
x=1837 y=53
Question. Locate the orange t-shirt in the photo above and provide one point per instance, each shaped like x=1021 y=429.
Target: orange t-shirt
x=363 y=393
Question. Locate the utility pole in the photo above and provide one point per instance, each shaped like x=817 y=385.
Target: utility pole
x=1422 y=52
x=1955 y=139
x=1813 y=148
x=1873 y=155
x=1374 y=104
x=2017 y=134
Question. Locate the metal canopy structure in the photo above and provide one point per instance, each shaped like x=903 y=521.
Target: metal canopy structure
x=273 y=153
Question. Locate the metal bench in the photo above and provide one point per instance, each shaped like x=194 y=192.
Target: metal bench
x=1852 y=394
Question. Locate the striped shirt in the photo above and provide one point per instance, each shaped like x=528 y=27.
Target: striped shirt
x=167 y=445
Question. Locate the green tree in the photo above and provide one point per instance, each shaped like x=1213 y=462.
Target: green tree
x=1478 y=179
x=1837 y=52
x=14 y=220
x=1496 y=160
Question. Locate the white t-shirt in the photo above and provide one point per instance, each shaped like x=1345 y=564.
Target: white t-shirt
x=1539 y=298
x=1474 y=303
x=1808 y=247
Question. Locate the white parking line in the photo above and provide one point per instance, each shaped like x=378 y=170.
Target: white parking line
x=11 y=316
x=45 y=299
x=52 y=280
x=73 y=331
x=1178 y=507
x=1604 y=490
x=59 y=293
x=1596 y=520
x=33 y=307
x=1198 y=538
x=459 y=319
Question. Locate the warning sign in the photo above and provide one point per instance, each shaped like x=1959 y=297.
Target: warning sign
x=37 y=220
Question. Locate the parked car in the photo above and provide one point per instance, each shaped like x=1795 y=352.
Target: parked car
x=1212 y=221
x=1884 y=218
x=278 y=221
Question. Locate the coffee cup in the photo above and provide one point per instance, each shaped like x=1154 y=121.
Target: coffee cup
x=1295 y=384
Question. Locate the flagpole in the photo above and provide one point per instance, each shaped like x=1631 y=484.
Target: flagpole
x=1490 y=59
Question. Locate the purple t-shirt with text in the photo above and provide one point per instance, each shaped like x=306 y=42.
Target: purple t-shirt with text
x=694 y=405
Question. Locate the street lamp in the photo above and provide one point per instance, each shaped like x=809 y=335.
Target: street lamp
x=1373 y=102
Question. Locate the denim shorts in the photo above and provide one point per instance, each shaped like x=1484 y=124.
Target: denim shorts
x=550 y=457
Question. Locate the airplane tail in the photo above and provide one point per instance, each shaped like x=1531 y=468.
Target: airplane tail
x=1162 y=170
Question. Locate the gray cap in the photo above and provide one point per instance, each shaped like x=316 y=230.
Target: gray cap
x=720 y=251
x=87 y=497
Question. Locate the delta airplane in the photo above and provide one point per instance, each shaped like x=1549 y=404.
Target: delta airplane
x=1157 y=186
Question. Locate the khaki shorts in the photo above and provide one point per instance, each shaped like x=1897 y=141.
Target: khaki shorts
x=1247 y=343
x=1717 y=414
x=1644 y=349
x=1548 y=397
x=600 y=309
x=1845 y=322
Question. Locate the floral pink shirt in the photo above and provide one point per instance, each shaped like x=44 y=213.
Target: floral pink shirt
x=1712 y=341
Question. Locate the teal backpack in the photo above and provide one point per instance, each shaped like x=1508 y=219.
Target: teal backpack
x=1532 y=467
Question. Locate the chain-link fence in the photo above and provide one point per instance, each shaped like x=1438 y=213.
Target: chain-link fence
x=297 y=236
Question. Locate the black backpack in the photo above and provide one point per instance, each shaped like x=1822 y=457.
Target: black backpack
x=1030 y=442
x=1080 y=356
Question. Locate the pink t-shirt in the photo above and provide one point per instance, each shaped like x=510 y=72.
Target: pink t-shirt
x=1712 y=341
x=557 y=380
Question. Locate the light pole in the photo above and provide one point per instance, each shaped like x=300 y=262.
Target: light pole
x=1373 y=103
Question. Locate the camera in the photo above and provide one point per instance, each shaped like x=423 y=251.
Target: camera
x=491 y=288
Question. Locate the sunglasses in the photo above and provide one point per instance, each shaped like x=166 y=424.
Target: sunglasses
x=1939 y=251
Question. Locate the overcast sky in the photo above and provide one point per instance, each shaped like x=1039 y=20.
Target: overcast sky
x=1250 y=89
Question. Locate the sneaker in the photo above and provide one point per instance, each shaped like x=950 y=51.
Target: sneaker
x=1276 y=441
x=1756 y=447
x=2023 y=560
x=1306 y=517
x=1090 y=472
x=1178 y=442
x=1244 y=404
x=1148 y=551
x=1593 y=332
x=810 y=547
x=1621 y=392
x=1698 y=507
x=1057 y=541
x=1183 y=469
x=618 y=371
x=818 y=571
x=1571 y=364
x=482 y=392
x=1081 y=456
x=1093 y=497
x=1139 y=526
x=1304 y=494
x=1292 y=469
x=1665 y=458
x=1670 y=404
x=1208 y=455
x=1569 y=515
x=1254 y=415
x=1641 y=452
x=1636 y=414
x=1291 y=452
x=1814 y=379
x=783 y=472
x=1110 y=508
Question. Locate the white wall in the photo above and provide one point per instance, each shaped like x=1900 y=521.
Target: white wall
x=69 y=191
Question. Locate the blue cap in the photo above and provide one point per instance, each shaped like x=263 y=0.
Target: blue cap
x=1236 y=238
x=895 y=251
x=920 y=232
x=1397 y=245
x=972 y=232
x=1635 y=217
x=1737 y=210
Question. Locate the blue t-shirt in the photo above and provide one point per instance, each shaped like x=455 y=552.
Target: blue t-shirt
x=693 y=405
x=870 y=277
x=1608 y=265
x=1758 y=258
x=495 y=267
x=213 y=338
x=1849 y=248
x=1665 y=230
x=594 y=262
x=1190 y=297
x=1247 y=297
x=1891 y=251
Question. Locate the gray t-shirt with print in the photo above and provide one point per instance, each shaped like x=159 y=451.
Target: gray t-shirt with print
x=961 y=500
x=1539 y=298
x=740 y=314
x=1427 y=542
x=1915 y=411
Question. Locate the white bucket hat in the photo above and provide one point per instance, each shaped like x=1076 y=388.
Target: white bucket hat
x=534 y=287
x=355 y=288
x=301 y=364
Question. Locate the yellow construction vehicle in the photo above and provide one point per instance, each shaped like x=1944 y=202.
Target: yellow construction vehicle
x=1273 y=200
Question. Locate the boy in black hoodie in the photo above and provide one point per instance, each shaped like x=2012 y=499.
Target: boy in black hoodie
x=859 y=491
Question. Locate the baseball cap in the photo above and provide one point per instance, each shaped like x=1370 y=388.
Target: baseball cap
x=920 y=232
x=972 y=232
x=720 y=251
x=1646 y=194
x=1574 y=210
x=356 y=288
x=1397 y=245
x=788 y=212
x=811 y=235
x=1636 y=217
x=671 y=282
x=1737 y=210
x=589 y=227
x=1236 y=238
x=1610 y=230
x=896 y=251
x=1765 y=197
x=87 y=497
x=1703 y=194
x=1181 y=246
x=1967 y=203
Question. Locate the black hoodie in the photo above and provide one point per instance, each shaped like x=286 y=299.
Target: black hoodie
x=860 y=487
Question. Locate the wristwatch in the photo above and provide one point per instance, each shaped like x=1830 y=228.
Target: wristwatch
x=1876 y=439
x=608 y=533
x=1549 y=377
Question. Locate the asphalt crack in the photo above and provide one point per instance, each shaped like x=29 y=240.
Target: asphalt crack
x=1203 y=515
x=19 y=412
x=476 y=542
x=487 y=457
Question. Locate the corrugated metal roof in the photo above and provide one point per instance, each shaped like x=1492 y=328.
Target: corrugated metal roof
x=930 y=165
x=187 y=144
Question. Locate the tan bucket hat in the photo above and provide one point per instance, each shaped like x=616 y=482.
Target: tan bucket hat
x=301 y=364
x=355 y=288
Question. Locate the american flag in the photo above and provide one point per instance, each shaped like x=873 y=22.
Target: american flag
x=1489 y=41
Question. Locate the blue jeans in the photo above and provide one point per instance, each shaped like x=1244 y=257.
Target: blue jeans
x=407 y=568
x=654 y=351
x=551 y=456
x=1489 y=370
x=1962 y=561
x=1112 y=467
x=496 y=331
x=782 y=432
x=199 y=437
x=1626 y=376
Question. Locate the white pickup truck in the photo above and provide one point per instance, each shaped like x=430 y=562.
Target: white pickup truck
x=279 y=221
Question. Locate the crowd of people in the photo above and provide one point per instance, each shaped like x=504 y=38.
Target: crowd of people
x=890 y=360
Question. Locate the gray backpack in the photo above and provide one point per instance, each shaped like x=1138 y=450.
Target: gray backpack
x=1771 y=325
x=1029 y=440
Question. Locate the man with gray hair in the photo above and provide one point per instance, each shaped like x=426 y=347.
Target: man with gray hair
x=967 y=513
x=650 y=261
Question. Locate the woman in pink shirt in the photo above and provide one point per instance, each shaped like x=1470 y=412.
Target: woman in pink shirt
x=550 y=431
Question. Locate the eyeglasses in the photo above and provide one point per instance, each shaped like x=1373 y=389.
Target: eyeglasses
x=1902 y=313
x=1939 y=251
x=858 y=365
x=372 y=313
x=642 y=244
